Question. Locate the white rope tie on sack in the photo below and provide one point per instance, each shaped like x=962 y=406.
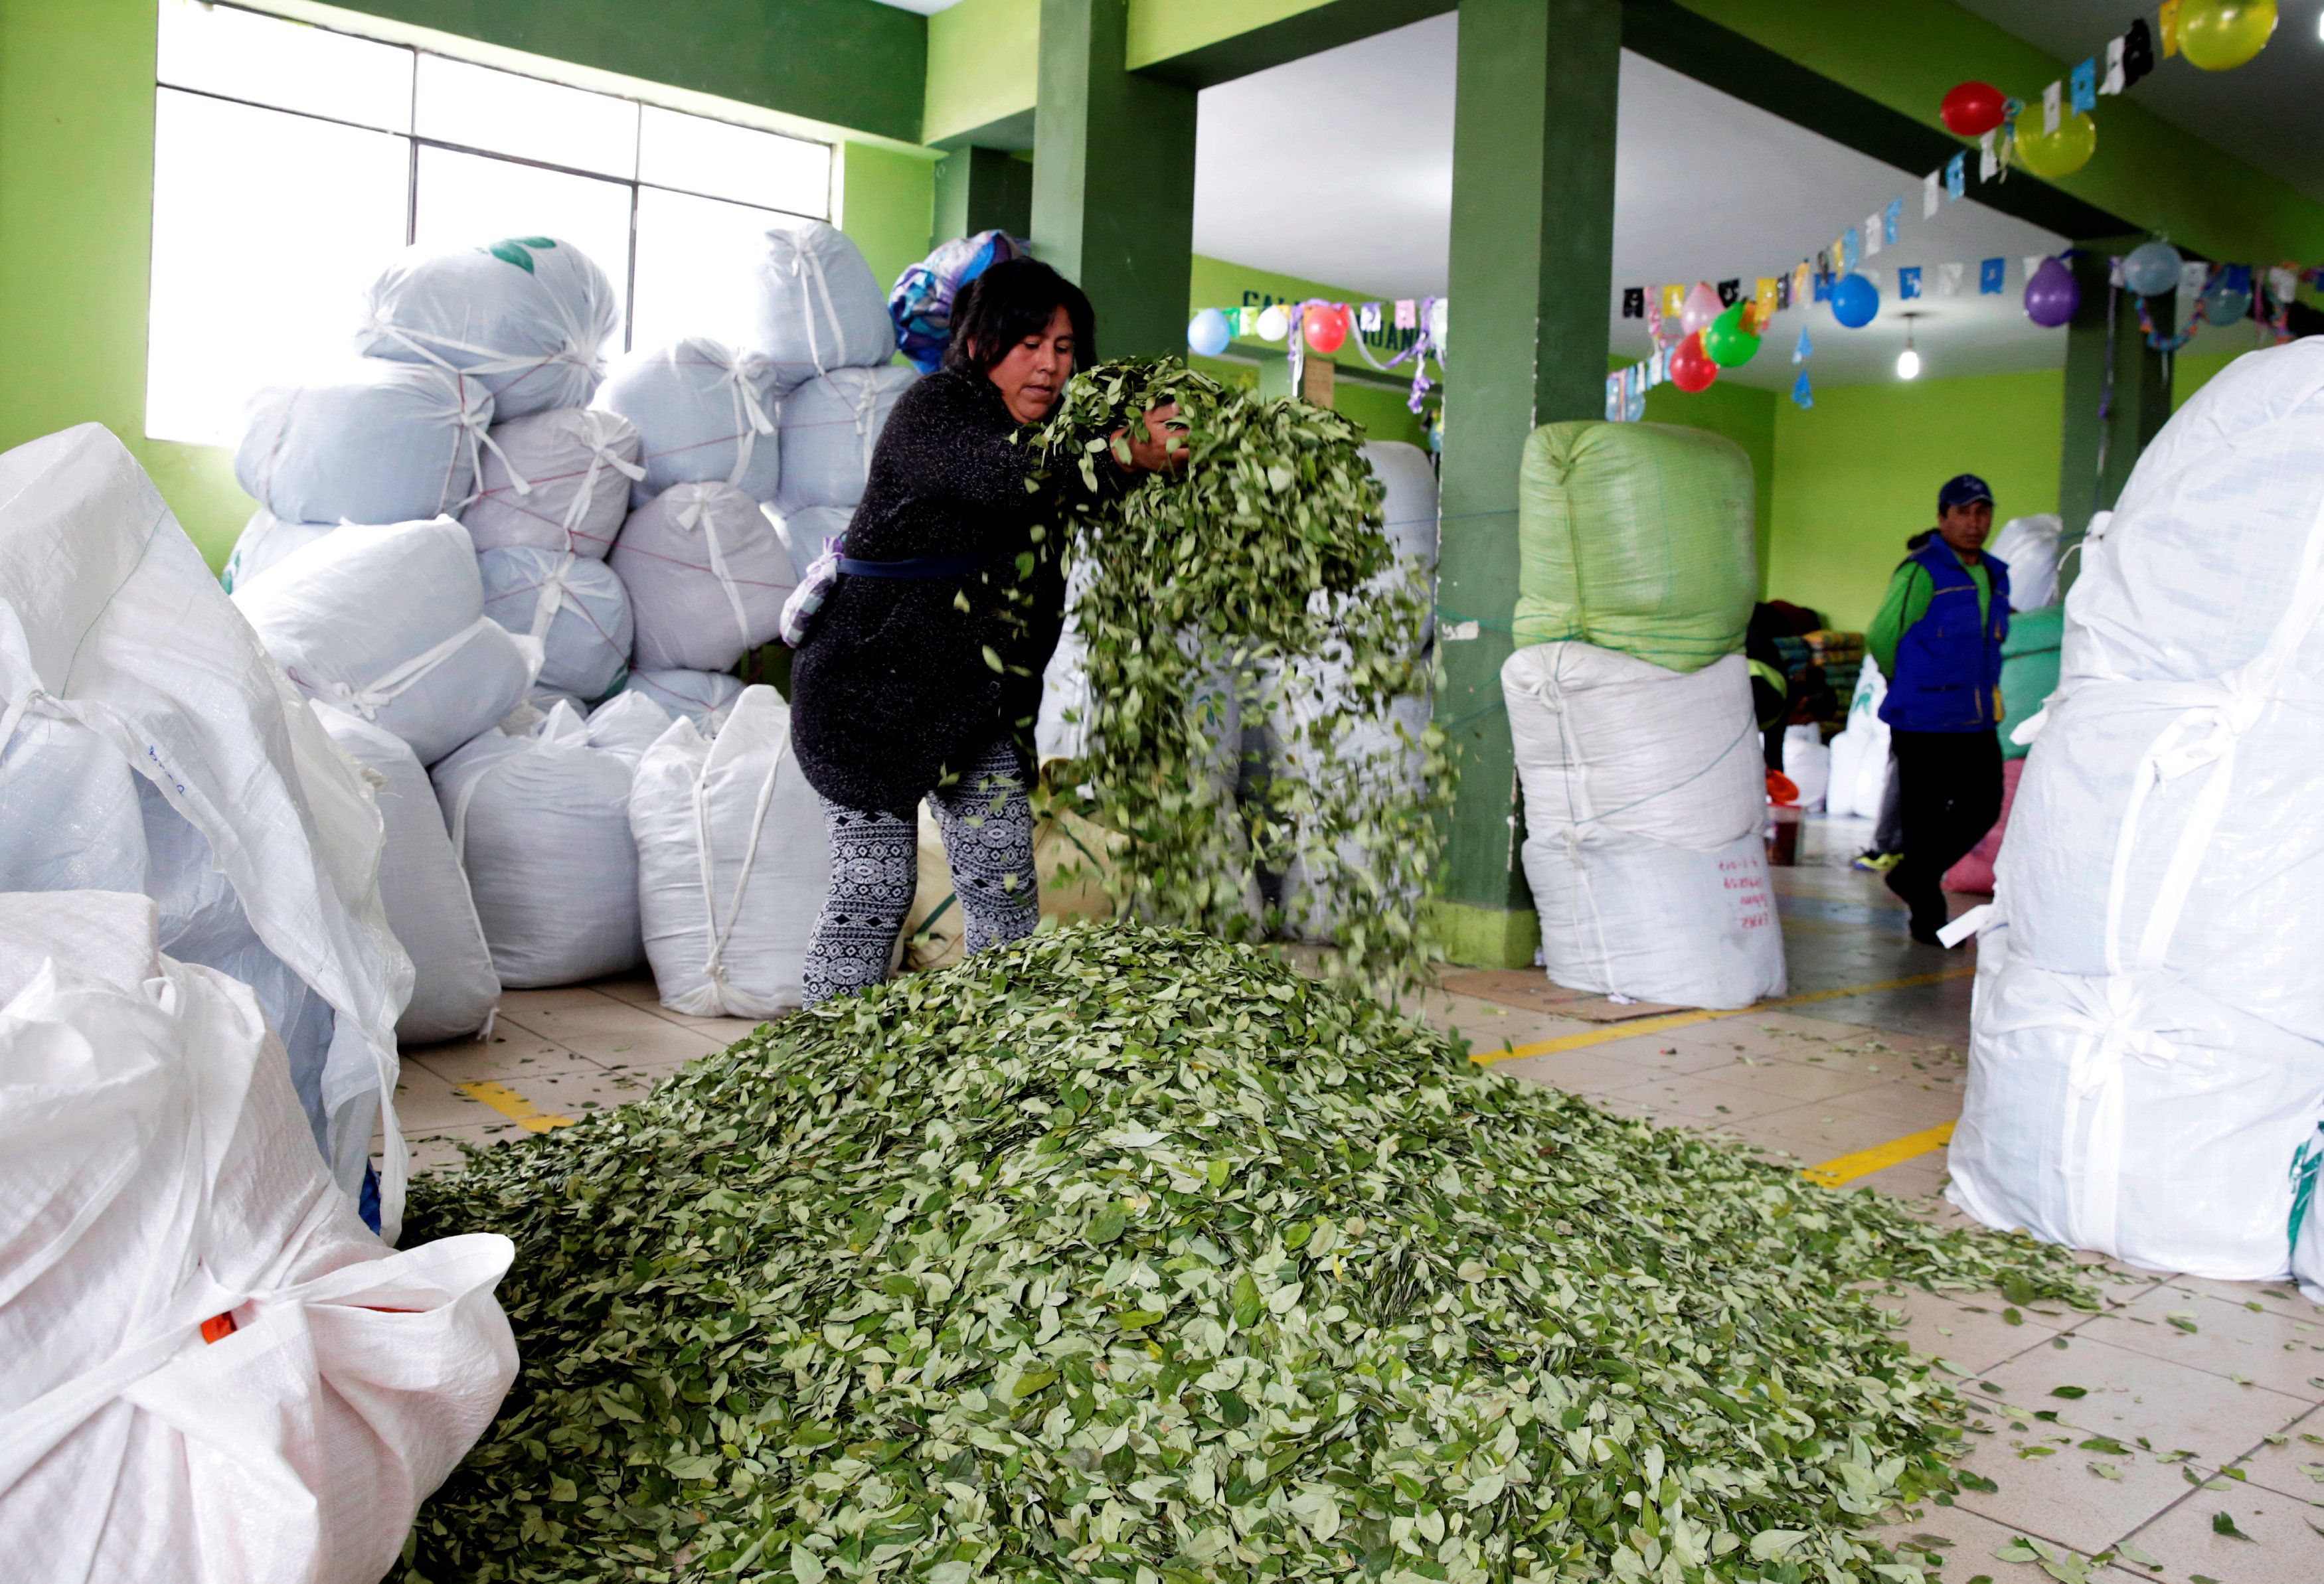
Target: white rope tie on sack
x=805 y=264
x=751 y=419
x=476 y=428
x=382 y=690
x=716 y=935
x=601 y=456
x=865 y=411
x=693 y=518
x=489 y=360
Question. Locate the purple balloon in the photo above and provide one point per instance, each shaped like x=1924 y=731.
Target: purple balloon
x=2051 y=296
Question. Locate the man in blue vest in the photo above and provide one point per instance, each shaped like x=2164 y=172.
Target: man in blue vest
x=1938 y=640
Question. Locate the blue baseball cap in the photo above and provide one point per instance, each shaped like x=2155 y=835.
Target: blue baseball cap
x=1964 y=489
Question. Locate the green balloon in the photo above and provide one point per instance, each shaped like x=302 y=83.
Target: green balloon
x=1730 y=344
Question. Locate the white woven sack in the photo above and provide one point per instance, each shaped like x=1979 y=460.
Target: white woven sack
x=732 y=863
x=1409 y=511
x=453 y=988
x=69 y=817
x=2028 y=546
x=707 y=575
x=1383 y=750
x=705 y=413
x=701 y=697
x=109 y=620
x=818 y=307
x=264 y=541
x=828 y=429
x=541 y=824
x=628 y=724
x=388 y=622
x=555 y=481
x=2134 y=1116
x=808 y=533
x=1624 y=915
x=573 y=606
x=161 y=1181
x=389 y=443
x=528 y=315
x=1808 y=764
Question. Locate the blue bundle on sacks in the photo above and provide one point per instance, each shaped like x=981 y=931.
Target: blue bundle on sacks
x=921 y=303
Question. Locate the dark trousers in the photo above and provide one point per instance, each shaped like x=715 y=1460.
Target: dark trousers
x=1950 y=795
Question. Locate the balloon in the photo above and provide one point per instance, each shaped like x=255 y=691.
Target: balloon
x=1701 y=306
x=1974 y=109
x=1274 y=324
x=1854 y=301
x=1729 y=341
x=1327 y=327
x=2151 y=269
x=2224 y=304
x=2051 y=296
x=1206 y=333
x=2220 y=34
x=2058 y=154
x=1691 y=368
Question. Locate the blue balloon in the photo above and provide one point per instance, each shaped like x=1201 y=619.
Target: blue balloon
x=1207 y=333
x=1854 y=301
x=2151 y=269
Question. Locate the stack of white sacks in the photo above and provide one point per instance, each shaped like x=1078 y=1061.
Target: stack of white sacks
x=2146 y=1071
x=504 y=584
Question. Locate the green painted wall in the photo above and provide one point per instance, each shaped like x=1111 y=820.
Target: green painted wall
x=886 y=205
x=984 y=61
x=1857 y=474
x=850 y=62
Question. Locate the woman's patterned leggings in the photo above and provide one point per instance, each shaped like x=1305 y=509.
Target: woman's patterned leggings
x=988 y=836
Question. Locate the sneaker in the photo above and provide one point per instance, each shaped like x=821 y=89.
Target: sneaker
x=1929 y=937
x=1879 y=862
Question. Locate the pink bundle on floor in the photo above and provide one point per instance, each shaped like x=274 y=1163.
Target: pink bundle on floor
x=1974 y=872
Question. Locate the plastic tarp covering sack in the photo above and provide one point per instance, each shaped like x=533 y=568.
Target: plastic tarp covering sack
x=2029 y=670
x=828 y=427
x=707 y=574
x=1643 y=794
x=575 y=607
x=453 y=988
x=528 y=315
x=2147 y=1071
x=1636 y=536
x=109 y=620
x=732 y=863
x=388 y=622
x=160 y=1190
x=2028 y=546
x=265 y=540
x=703 y=697
x=921 y=304
x=555 y=481
x=388 y=443
x=541 y=824
x=705 y=413
x=1974 y=872
x=818 y=306
x=808 y=533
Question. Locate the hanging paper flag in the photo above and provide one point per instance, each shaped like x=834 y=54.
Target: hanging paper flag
x=1408 y=317
x=2086 y=85
x=1992 y=275
x=1872 y=243
x=1930 y=185
x=1890 y=218
x=1368 y=317
x=1948 y=279
x=1634 y=388
x=1851 y=249
x=1822 y=278
x=1801 y=393
x=1615 y=404
x=2114 y=83
x=2138 y=52
x=1908 y=282
x=1805 y=349
x=1956 y=176
x=2282 y=282
x=2034 y=262
x=1634 y=302
x=1763 y=297
x=2167 y=15
x=1673 y=301
x=1988 y=161
x=1728 y=291
x=2193 y=276
x=2114 y=271
x=1802 y=283
x=2053 y=104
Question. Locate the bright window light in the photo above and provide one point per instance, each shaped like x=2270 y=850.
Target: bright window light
x=477 y=107
x=287 y=65
x=697 y=261
x=266 y=228
x=466 y=200
x=721 y=159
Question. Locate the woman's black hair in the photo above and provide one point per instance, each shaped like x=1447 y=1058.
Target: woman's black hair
x=1010 y=303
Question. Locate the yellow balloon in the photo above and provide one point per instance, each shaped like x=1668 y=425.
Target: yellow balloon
x=2219 y=34
x=2058 y=154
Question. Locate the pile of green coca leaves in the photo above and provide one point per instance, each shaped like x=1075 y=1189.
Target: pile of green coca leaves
x=1253 y=584
x=1129 y=1254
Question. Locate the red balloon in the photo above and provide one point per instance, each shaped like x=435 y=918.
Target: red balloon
x=1691 y=368
x=1974 y=108
x=1327 y=327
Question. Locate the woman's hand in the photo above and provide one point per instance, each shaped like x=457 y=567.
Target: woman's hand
x=1163 y=448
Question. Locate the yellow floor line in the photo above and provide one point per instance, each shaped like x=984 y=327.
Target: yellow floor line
x=1847 y=1168
x=509 y=1103
x=1643 y=1026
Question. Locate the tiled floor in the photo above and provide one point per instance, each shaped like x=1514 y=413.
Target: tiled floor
x=2192 y=1420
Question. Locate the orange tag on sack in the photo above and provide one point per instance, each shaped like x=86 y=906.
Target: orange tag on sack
x=217 y=1328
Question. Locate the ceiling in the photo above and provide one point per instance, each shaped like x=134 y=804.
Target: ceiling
x=1339 y=168
x=2263 y=112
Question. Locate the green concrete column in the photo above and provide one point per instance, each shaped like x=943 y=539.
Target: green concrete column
x=1532 y=273
x=2105 y=432
x=982 y=189
x=1113 y=179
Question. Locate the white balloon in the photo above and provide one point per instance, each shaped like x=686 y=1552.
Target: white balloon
x=1274 y=324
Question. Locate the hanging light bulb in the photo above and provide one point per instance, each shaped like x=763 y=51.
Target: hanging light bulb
x=1908 y=362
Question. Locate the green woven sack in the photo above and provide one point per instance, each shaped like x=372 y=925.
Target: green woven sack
x=1636 y=536
x=2029 y=669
